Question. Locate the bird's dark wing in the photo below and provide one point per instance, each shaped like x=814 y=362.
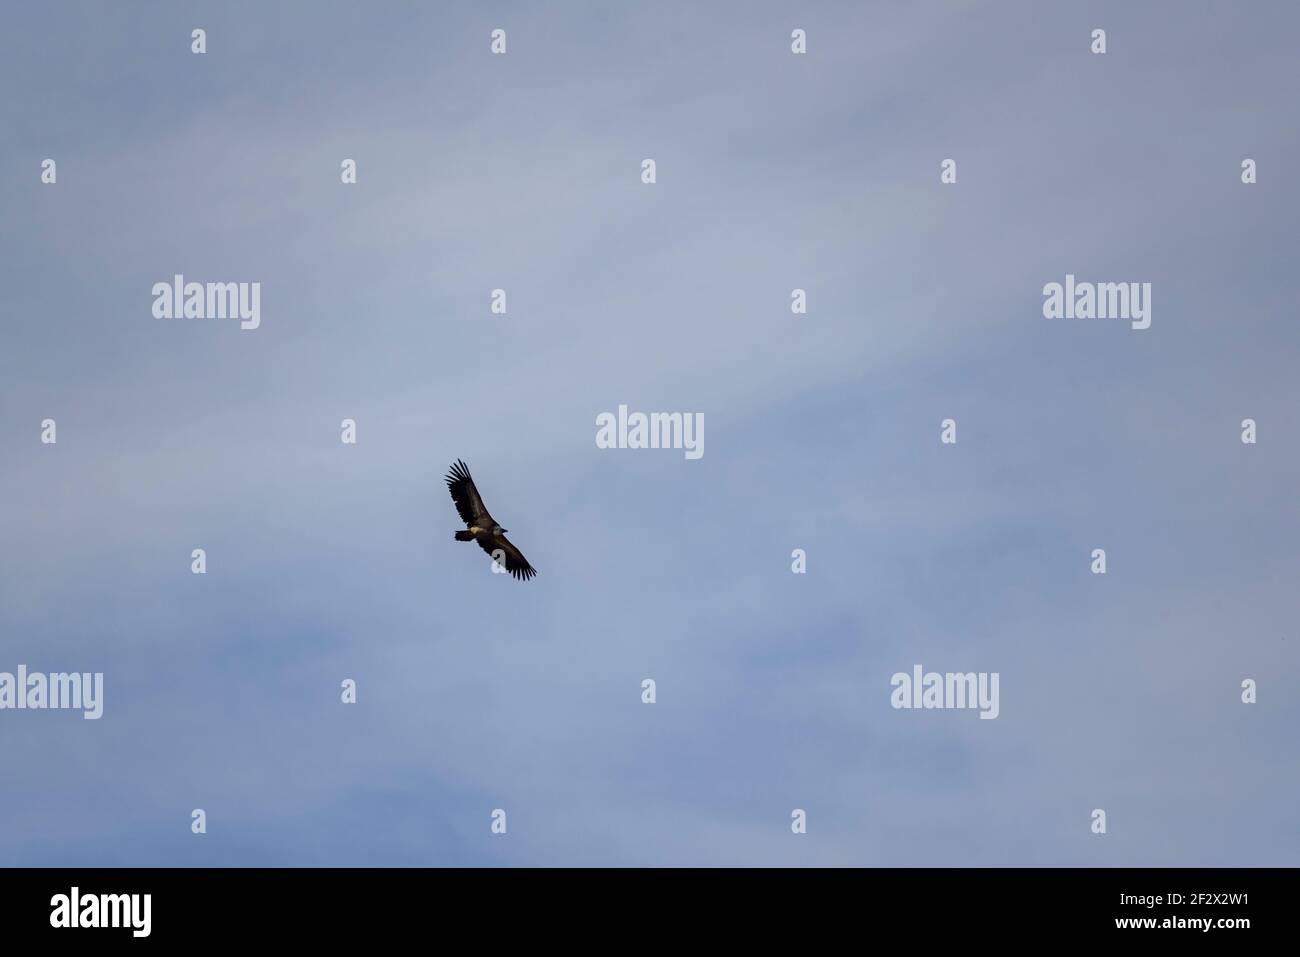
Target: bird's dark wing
x=511 y=557
x=465 y=495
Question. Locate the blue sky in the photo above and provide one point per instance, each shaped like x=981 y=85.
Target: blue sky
x=775 y=171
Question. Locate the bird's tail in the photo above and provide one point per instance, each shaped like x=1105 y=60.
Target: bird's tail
x=465 y=536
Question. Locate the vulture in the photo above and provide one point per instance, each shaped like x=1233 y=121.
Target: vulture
x=482 y=527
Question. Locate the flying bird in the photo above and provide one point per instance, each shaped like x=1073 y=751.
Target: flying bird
x=482 y=527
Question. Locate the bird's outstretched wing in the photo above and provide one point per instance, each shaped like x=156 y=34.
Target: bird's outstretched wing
x=511 y=557
x=465 y=495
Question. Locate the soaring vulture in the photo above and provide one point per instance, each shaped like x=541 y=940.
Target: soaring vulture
x=482 y=527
